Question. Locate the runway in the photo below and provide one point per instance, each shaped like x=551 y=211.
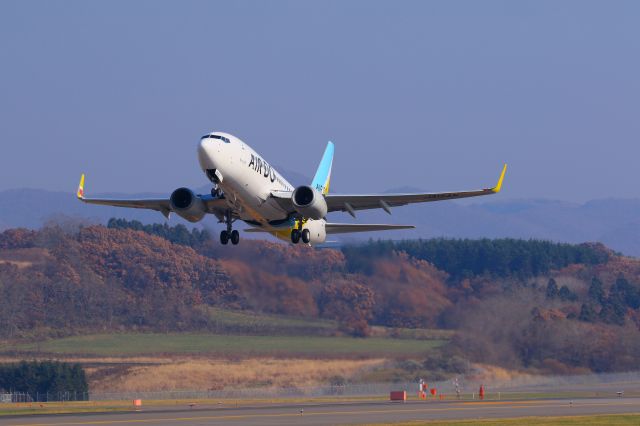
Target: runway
x=341 y=413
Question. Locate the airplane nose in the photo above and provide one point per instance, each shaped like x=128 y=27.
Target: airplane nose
x=206 y=148
x=202 y=146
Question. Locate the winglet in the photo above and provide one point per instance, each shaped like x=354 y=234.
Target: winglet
x=80 y=193
x=498 y=186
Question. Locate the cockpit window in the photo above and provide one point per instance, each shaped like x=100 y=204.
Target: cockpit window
x=222 y=138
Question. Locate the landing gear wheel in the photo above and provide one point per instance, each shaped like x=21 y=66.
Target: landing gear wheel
x=235 y=237
x=295 y=236
x=216 y=192
x=224 y=237
x=306 y=236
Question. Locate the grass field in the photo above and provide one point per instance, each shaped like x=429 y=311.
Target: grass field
x=228 y=321
x=180 y=374
x=247 y=322
x=299 y=352
x=128 y=344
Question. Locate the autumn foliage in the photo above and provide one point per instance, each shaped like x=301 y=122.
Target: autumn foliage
x=533 y=311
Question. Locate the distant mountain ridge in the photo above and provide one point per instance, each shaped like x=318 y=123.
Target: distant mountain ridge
x=614 y=222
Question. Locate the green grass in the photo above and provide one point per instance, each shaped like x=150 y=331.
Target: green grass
x=616 y=419
x=227 y=321
x=127 y=344
x=247 y=322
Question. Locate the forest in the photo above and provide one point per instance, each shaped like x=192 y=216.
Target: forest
x=536 y=305
x=44 y=380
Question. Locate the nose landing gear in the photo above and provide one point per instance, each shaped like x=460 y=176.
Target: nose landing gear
x=216 y=192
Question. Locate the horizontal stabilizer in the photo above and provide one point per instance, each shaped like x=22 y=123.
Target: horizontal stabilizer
x=345 y=228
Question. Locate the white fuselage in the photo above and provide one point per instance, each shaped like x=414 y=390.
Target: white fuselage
x=247 y=179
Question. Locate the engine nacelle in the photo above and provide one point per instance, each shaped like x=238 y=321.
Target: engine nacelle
x=317 y=231
x=309 y=202
x=187 y=205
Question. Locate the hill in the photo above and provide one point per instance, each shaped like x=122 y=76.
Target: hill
x=536 y=305
x=613 y=222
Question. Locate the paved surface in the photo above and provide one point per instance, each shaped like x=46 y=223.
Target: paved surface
x=342 y=414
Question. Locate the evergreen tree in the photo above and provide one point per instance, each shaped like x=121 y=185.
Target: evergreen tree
x=552 y=289
x=587 y=313
x=466 y=258
x=178 y=234
x=596 y=292
x=567 y=295
x=613 y=310
x=44 y=377
x=624 y=290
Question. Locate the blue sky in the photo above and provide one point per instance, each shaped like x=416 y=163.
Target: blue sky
x=434 y=95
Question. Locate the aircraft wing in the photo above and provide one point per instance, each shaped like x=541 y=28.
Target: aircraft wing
x=351 y=203
x=345 y=228
x=215 y=206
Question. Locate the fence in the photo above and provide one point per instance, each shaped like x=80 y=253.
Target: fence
x=467 y=385
x=370 y=389
x=44 y=397
x=15 y=397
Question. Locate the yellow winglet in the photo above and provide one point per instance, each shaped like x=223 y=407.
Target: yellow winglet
x=498 y=186
x=80 y=193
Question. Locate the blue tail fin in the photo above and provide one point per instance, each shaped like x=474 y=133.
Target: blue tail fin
x=323 y=174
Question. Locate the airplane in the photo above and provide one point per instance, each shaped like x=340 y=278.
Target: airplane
x=246 y=187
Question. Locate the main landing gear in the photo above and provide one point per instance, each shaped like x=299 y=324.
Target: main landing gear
x=216 y=192
x=229 y=234
x=233 y=236
x=298 y=234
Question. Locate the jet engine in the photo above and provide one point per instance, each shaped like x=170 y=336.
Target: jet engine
x=309 y=202
x=317 y=232
x=187 y=205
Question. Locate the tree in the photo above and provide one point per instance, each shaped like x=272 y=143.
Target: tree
x=567 y=295
x=466 y=258
x=624 y=290
x=552 y=289
x=44 y=377
x=587 y=313
x=178 y=234
x=350 y=303
x=613 y=310
x=596 y=292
